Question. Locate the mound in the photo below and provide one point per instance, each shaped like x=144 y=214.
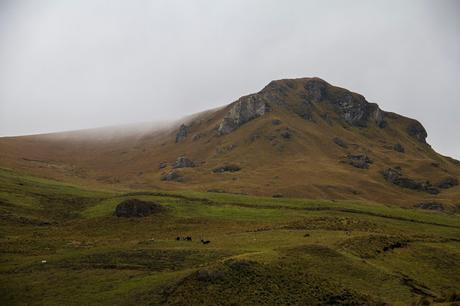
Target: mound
x=137 y=208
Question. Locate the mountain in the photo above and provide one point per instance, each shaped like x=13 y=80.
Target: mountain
x=294 y=138
x=157 y=214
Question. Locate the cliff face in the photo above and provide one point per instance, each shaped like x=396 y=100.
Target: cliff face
x=243 y=110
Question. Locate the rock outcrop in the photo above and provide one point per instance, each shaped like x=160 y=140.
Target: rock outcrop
x=162 y=165
x=350 y=107
x=355 y=110
x=361 y=161
x=399 y=148
x=340 y=142
x=172 y=176
x=395 y=176
x=182 y=133
x=183 y=162
x=430 y=206
x=286 y=133
x=226 y=168
x=417 y=131
x=242 y=111
x=134 y=208
x=448 y=182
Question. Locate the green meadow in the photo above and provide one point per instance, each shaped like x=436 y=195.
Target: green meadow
x=63 y=245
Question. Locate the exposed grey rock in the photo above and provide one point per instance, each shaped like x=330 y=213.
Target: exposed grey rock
x=355 y=110
x=399 y=148
x=172 y=176
x=361 y=161
x=183 y=162
x=448 y=182
x=226 y=168
x=352 y=108
x=276 y=122
x=395 y=176
x=340 y=142
x=182 y=133
x=430 y=206
x=286 y=134
x=242 y=111
x=163 y=165
x=137 y=208
x=416 y=130
x=316 y=90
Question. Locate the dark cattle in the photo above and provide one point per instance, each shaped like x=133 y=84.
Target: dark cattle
x=205 y=241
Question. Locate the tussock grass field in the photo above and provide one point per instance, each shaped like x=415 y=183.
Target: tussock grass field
x=63 y=245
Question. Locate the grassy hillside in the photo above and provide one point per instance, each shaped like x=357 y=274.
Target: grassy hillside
x=261 y=251
x=290 y=150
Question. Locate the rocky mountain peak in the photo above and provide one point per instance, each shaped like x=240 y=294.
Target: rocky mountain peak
x=312 y=99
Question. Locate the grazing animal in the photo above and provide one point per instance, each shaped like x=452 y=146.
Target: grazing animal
x=205 y=241
x=177 y=238
x=188 y=238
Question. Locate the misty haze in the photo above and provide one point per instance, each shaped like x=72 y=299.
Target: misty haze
x=229 y=152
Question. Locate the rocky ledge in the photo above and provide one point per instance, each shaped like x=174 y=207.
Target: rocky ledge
x=396 y=177
x=242 y=111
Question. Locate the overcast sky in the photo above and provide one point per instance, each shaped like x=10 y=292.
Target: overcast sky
x=68 y=65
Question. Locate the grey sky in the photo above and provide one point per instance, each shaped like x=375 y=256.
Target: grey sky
x=77 y=64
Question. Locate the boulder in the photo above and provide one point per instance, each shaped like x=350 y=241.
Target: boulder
x=163 y=165
x=134 y=208
x=276 y=122
x=182 y=133
x=226 y=168
x=448 y=182
x=340 y=142
x=172 y=176
x=430 y=206
x=286 y=134
x=183 y=162
x=399 y=148
x=242 y=111
x=361 y=161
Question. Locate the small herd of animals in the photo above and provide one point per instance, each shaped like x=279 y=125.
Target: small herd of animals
x=189 y=238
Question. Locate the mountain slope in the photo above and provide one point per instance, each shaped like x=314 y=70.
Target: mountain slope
x=294 y=138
